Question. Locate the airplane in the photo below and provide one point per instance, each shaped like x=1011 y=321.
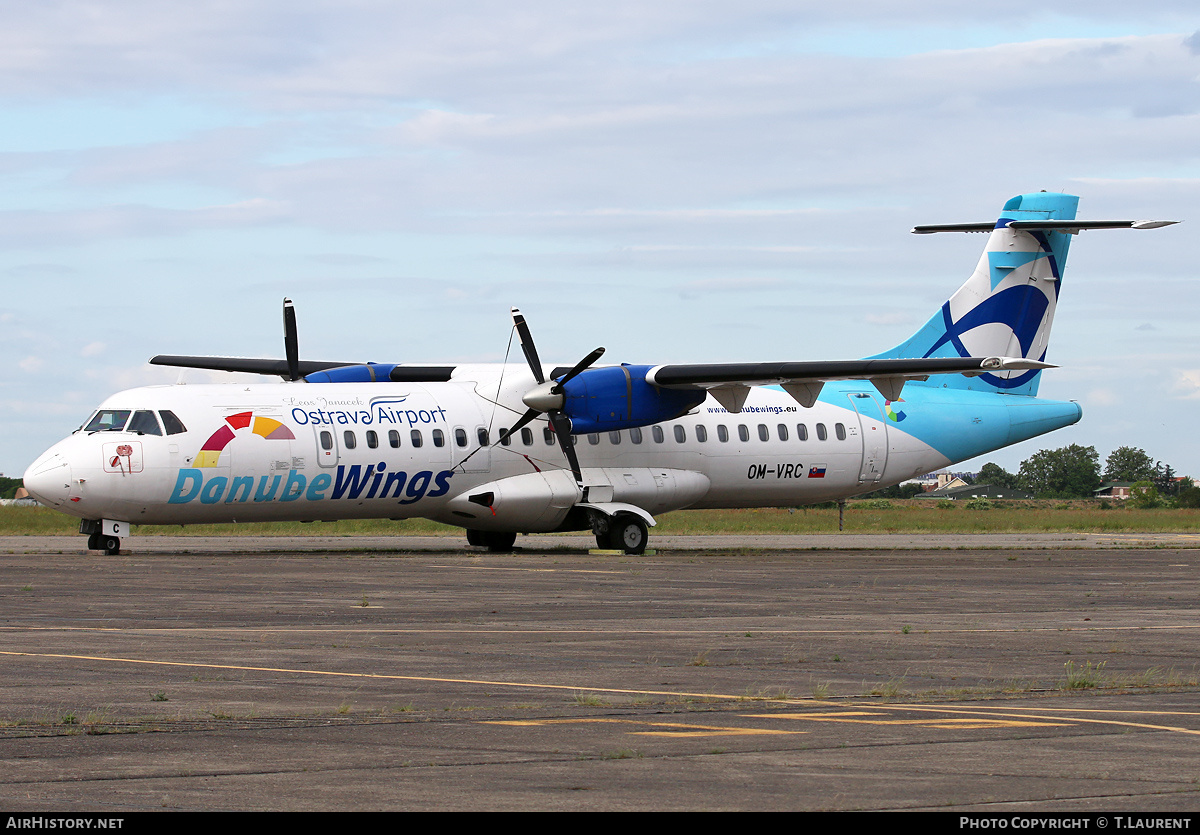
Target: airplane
x=502 y=449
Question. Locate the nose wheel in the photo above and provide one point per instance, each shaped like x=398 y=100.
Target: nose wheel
x=110 y=545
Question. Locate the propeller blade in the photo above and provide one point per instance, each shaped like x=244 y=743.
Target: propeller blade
x=526 y=338
x=562 y=428
x=291 y=345
x=519 y=425
x=581 y=366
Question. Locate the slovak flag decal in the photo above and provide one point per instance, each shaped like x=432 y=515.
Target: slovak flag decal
x=816 y=471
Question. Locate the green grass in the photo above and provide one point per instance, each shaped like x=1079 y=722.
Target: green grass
x=904 y=516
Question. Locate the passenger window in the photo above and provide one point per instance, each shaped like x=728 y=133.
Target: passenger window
x=764 y=434
x=482 y=434
x=144 y=423
x=439 y=437
x=415 y=437
x=505 y=438
x=840 y=429
x=656 y=433
x=594 y=438
x=372 y=439
x=326 y=440
x=348 y=439
x=460 y=437
x=783 y=433
x=108 y=420
x=701 y=434
x=527 y=436
x=743 y=432
x=680 y=434
x=801 y=432
x=614 y=438
x=548 y=436
x=722 y=433
x=821 y=433
x=635 y=434
x=174 y=425
x=394 y=439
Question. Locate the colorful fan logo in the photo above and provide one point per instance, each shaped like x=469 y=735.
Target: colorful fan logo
x=265 y=427
x=892 y=414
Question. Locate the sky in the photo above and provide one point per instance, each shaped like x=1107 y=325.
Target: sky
x=678 y=181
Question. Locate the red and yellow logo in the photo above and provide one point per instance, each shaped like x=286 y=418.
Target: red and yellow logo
x=265 y=427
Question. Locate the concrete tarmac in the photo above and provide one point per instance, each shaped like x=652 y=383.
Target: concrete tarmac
x=1046 y=673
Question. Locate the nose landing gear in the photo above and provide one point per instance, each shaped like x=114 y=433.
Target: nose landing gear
x=103 y=535
x=110 y=545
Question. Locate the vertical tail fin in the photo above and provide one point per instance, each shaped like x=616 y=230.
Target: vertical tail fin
x=1006 y=307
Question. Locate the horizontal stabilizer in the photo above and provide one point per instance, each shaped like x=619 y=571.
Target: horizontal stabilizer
x=1070 y=227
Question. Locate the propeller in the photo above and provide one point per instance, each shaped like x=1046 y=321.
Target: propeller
x=291 y=345
x=547 y=398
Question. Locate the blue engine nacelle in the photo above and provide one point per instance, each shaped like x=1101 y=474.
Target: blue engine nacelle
x=371 y=372
x=618 y=397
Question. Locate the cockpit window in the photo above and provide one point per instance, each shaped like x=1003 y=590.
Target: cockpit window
x=173 y=424
x=108 y=420
x=144 y=423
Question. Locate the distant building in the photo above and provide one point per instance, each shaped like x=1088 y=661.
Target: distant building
x=977 y=491
x=1113 y=490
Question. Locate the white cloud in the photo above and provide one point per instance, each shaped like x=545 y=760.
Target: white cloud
x=1186 y=385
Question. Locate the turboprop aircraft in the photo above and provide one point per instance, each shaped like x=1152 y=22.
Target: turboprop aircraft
x=507 y=449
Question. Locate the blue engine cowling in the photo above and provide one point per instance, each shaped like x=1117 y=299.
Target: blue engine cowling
x=618 y=397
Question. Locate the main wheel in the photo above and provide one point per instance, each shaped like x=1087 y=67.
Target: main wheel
x=499 y=542
x=94 y=542
x=110 y=545
x=476 y=538
x=628 y=533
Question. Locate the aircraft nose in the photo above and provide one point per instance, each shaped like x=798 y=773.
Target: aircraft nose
x=48 y=479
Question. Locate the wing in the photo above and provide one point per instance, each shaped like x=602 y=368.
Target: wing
x=319 y=371
x=729 y=383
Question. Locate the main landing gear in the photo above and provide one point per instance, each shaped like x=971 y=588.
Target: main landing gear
x=626 y=532
x=498 y=542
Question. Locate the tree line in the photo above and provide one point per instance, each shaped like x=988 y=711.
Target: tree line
x=1074 y=472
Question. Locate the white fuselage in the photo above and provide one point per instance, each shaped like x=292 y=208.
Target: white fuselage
x=400 y=450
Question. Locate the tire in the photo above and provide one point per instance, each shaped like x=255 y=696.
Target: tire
x=476 y=538
x=94 y=542
x=628 y=533
x=602 y=541
x=110 y=545
x=499 y=542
